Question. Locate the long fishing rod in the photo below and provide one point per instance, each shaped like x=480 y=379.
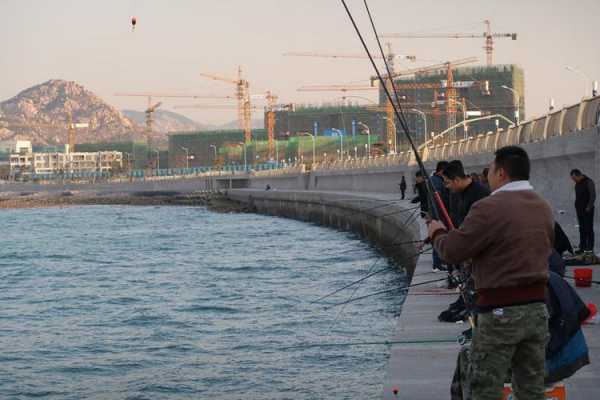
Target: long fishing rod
x=437 y=200
x=433 y=196
x=384 y=343
x=396 y=289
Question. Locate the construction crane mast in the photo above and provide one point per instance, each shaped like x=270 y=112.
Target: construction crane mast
x=271 y=101
x=242 y=94
x=153 y=107
x=488 y=36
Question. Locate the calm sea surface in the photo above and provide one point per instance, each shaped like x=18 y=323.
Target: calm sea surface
x=182 y=303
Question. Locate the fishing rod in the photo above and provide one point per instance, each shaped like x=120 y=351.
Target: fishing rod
x=434 y=199
x=436 y=204
x=401 y=288
x=384 y=343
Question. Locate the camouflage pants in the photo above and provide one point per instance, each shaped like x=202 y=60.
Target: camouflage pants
x=509 y=338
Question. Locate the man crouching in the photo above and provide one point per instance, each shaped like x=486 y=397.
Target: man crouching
x=508 y=236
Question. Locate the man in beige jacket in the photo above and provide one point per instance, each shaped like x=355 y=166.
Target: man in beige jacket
x=508 y=236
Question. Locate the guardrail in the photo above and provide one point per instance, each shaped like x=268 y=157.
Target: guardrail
x=567 y=121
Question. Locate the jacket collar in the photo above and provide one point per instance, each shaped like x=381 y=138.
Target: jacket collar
x=514 y=186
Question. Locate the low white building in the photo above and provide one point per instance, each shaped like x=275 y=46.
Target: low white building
x=54 y=163
x=16 y=146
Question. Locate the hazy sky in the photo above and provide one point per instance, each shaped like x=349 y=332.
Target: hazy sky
x=91 y=42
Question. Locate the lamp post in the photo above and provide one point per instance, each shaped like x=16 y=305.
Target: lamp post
x=422 y=114
x=245 y=156
x=367 y=132
x=585 y=76
x=341 y=151
x=313 y=144
x=515 y=93
x=157 y=158
x=187 y=157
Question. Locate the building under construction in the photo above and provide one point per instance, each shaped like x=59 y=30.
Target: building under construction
x=475 y=92
x=329 y=120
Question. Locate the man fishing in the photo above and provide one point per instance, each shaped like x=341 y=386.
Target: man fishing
x=508 y=236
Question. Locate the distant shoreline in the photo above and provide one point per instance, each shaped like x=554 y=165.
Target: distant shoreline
x=213 y=201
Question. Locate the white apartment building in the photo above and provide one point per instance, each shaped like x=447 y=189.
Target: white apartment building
x=52 y=163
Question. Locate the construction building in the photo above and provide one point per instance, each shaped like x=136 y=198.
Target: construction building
x=205 y=148
x=328 y=120
x=478 y=92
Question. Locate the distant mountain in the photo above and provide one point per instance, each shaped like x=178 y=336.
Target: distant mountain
x=256 y=124
x=167 y=121
x=42 y=113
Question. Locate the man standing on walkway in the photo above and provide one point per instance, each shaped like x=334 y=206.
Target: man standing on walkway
x=585 y=197
x=403 y=186
x=508 y=236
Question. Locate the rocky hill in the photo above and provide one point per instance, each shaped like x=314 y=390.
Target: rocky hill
x=167 y=121
x=42 y=113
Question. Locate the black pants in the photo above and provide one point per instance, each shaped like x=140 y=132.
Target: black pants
x=403 y=191
x=586 y=229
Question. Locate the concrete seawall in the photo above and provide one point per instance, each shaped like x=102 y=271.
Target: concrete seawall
x=381 y=219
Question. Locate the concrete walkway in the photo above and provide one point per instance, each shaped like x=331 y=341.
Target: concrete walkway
x=424 y=371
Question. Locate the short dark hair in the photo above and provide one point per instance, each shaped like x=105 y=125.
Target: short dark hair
x=418 y=173
x=485 y=172
x=454 y=170
x=576 y=172
x=514 y=161
x=441 y=165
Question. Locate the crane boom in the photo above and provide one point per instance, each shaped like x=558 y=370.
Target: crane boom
x=488 y=36
x=345 y=56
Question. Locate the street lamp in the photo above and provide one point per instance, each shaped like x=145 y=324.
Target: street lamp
x=367 y=132
x=341 y=151
x=422 y=114
x=245 y=156
x=517 y=111
x=313 y=144
x=187 y=157
x=585 y=76
x=157 y=158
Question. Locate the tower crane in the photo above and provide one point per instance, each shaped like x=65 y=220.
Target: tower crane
x=70 y=126
x=390 y=115
x=242 y=94
x=153 y=107
x=271 y=102
x=488 y=36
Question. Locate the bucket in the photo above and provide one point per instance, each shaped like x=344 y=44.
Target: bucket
x=583 y=277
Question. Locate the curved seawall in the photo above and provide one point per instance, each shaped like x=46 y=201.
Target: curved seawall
x=389 y=223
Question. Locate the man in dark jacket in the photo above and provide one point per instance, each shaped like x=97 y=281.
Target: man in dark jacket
x=585 y=197
x=421 y=190
x=467 y=190
x=437 y=181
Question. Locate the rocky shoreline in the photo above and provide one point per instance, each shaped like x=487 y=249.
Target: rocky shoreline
x=214 y=201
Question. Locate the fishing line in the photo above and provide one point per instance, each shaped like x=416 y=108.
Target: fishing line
x=389 y=268
x=401 y=288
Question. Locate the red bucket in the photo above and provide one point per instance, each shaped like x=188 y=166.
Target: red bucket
x=583 y=277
